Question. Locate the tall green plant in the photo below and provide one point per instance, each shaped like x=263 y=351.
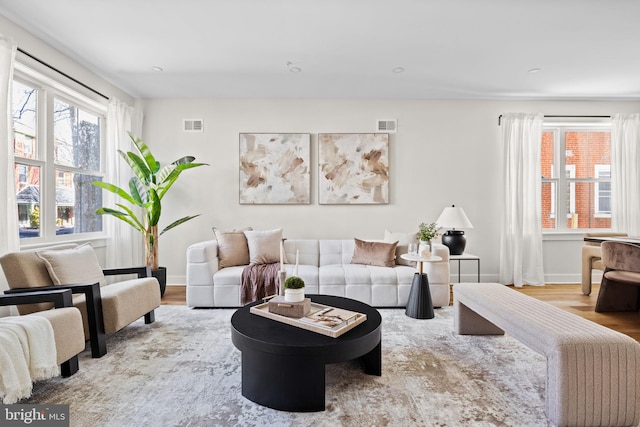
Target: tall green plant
x=148 y=186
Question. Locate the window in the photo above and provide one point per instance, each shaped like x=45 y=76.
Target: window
x=602 y=194
x=583 y=152
x=57 y=154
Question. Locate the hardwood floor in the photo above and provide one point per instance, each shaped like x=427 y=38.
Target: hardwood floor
x=566 y=297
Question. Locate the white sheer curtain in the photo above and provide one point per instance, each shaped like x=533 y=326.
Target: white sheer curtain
x=521 y=233
x=125 y=247
x=625 y=173
x=9 y=240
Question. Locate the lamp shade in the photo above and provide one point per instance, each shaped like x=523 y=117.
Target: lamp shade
x=455 y=240
x=453 y=217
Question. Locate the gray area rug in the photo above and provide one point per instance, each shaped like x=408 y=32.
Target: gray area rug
x=183 y=370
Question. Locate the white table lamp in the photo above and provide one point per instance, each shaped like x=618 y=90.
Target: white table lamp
x=454 y=218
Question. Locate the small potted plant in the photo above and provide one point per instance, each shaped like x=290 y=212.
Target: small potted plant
x=426 y=233
x=294 y=289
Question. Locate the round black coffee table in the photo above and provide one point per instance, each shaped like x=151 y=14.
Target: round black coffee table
x=283 y=367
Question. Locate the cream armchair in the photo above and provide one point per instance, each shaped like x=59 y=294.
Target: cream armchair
x=592 y=259
x=105 y=308
x=65 y=320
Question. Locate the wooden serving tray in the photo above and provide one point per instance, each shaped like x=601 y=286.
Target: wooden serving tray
x=350 y=319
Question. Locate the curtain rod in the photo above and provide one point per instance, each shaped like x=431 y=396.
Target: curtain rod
x=63 y=73
x=569 y=117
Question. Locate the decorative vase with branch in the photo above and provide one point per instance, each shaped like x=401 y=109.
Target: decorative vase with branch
x=147 y=187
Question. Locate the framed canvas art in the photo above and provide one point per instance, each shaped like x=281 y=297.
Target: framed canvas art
x=274 y=168
x=353 y=168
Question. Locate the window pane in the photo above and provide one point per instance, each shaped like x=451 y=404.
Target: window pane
x=76 y=203
x=587 y=149
x=77 y=137
x=603 y=190
x=24 y=120
x=548 y=205
x=585 y=214
x=547 y=154
x=28 y=197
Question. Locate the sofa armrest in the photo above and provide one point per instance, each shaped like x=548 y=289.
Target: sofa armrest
x=202 y=262
x=441 y=250
x=439 y=272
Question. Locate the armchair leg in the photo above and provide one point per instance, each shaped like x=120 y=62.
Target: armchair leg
x=150 y=317
x=97 y=335
x=69 y=367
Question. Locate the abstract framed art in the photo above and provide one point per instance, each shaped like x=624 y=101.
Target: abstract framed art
x=353 y=168
x=274 y=168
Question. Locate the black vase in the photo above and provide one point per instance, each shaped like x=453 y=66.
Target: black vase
x=161 y=275
x=455 y=241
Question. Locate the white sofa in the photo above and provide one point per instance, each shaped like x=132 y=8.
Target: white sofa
x=325 y=266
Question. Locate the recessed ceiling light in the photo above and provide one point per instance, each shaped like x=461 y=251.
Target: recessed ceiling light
x=157 y=69
x=293 y=68
x=534 y=70
x=398 y=70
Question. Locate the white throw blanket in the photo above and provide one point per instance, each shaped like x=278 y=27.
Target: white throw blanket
x=27 y=354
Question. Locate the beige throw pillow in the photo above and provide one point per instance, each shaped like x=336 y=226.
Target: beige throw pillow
x=403 y=240
x=73 y=266
x=232 y=247
x=374 y=253
x=264 y=246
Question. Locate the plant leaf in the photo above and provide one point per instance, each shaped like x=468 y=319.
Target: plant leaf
x=177 y=223
x=155 y=208
x=121 y=216
x=146 y=153
x=116 y=190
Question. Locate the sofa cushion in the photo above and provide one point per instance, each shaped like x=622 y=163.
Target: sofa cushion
x=264 y=245
x=403 y=240
x=232 y=247
x=374 y=253
x=73 y=266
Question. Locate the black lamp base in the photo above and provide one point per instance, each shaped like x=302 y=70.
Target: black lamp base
x=455 y=241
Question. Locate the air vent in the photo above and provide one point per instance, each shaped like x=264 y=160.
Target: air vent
x=193 y=125
x=390 y=126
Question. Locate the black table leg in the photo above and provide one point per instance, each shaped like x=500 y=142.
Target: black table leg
x=373 y=361
x=285 y=383
x=419 y=305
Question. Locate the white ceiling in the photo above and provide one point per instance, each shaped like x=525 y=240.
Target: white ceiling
x=450 y=49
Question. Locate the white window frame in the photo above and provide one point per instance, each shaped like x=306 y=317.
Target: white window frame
x=49 y=89
x=559 y=200
x=598 y=169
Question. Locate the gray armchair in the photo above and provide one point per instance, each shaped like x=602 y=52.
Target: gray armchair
x=592 y=258
x=620 y=287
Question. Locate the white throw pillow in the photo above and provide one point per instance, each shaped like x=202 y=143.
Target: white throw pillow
x=403 y=240
x=73 y=266
x=264 y=245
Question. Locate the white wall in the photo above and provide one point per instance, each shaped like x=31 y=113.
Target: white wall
x=445 y=152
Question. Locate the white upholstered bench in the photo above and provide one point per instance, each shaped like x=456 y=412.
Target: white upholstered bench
x=593 y=372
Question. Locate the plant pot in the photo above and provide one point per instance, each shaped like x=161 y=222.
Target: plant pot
x=424 y=245
x=294 y=295
x=161 y=275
